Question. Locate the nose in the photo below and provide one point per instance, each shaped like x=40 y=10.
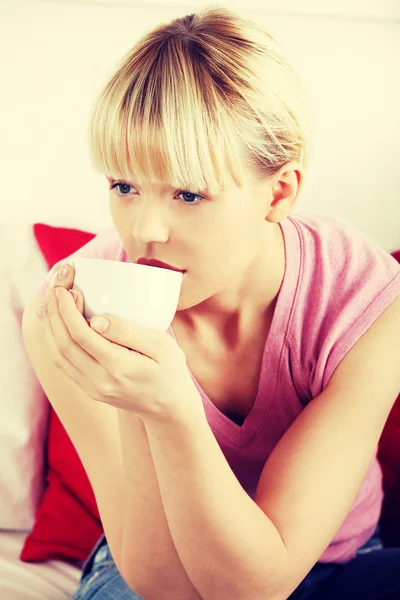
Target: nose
x=149 y=224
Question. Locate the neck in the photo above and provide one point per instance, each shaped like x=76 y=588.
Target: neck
x=235 y=314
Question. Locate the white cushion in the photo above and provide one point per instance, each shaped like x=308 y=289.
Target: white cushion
x=23 y=259
x=24 y=407
x=50 y=580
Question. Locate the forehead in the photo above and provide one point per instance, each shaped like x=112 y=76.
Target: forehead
x=248 y=177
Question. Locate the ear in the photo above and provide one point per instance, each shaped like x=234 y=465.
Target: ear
x=285 y=189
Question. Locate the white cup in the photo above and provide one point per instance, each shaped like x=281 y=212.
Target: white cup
x=143 y=295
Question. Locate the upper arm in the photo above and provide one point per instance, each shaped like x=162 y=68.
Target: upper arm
x=92 y=426
x=314 y=473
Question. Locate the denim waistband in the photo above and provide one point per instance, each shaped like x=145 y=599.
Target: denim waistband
x=95 y=556
x=373 y=543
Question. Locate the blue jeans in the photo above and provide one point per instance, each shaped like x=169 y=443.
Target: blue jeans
x=374 y=574
x=100 y=578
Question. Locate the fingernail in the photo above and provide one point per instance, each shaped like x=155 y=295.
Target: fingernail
x=99 y=324
x=63 y=273
x=42 y=311
x=74 y=295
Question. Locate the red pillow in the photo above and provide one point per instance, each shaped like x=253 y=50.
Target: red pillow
x=389 y=458
x=67 y=523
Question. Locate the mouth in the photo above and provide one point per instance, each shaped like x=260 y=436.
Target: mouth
x=158 y=263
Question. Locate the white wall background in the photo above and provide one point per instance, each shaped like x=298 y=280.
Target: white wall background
x=58 y=54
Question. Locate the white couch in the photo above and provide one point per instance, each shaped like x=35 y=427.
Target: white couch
x=50 y=580
x=23 y=428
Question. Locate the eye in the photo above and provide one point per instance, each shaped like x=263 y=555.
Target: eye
x=191 y=196
x=122 y=186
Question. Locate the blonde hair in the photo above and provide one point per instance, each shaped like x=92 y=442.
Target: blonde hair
x=194 y=99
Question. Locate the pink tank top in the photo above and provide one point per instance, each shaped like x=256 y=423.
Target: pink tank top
x=336 y=284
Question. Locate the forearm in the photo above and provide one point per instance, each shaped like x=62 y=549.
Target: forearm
x=150 y=563
x=228 y=546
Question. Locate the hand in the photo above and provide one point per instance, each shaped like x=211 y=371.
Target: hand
x=67 y=281
x=128 y=366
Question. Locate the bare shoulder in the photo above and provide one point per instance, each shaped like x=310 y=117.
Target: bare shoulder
x=375 y=359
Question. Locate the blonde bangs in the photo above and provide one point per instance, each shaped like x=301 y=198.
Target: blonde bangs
x=198 y=100
x=161 y=120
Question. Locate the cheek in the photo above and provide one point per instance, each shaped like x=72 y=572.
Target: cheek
x=122 y=220
x=235 y=246
x=114 y=212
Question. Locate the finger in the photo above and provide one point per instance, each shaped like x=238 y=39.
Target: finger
x=80 y=302
x=154 y=344
x=68 y=356
x=63 y=278
x=95 y=345
x=60 y=361
x=78 y=299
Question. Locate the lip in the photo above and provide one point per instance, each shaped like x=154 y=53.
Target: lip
x=157 y=263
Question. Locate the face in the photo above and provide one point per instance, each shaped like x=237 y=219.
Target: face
x=215 y=239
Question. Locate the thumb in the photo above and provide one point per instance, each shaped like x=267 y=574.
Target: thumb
x=146 y=340
x=79 y=299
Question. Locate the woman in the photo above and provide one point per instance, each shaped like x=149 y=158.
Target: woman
x=233 y=456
